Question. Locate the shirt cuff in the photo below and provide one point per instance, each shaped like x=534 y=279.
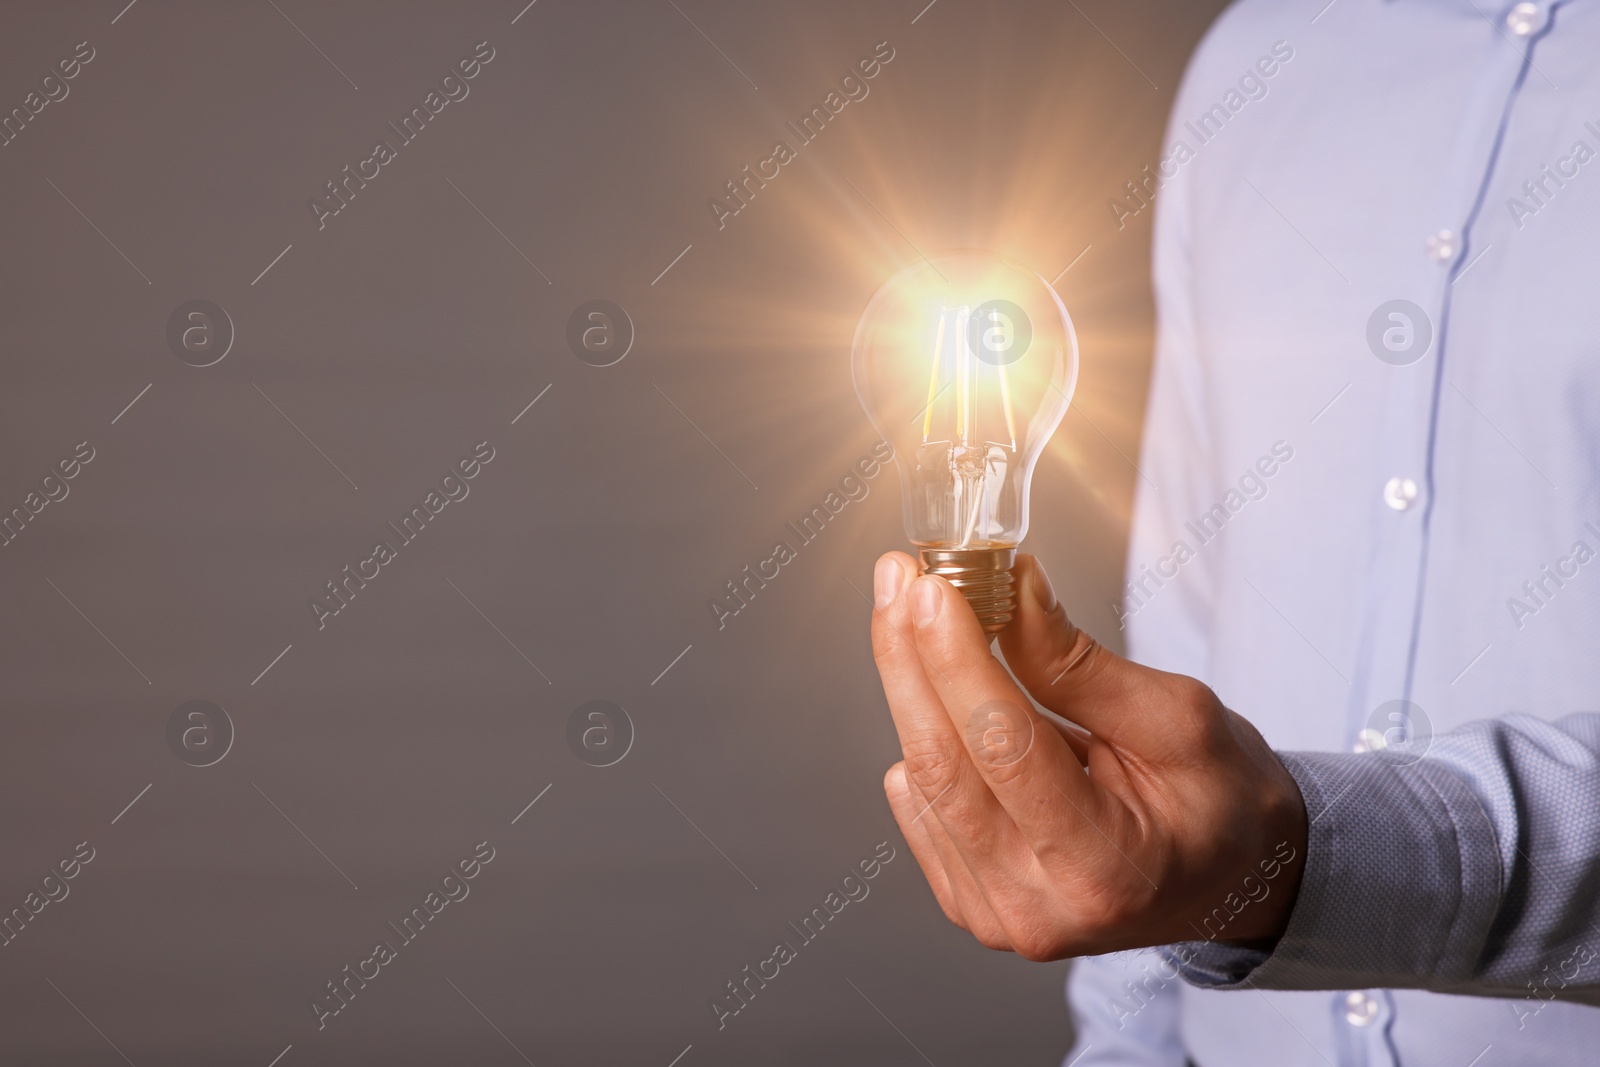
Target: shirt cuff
x=1400 y=886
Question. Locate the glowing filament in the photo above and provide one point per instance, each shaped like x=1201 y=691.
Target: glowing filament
x=933 y=382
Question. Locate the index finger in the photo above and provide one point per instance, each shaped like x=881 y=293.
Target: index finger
x=1023 y=760
x=935 y=755
x=936 y=759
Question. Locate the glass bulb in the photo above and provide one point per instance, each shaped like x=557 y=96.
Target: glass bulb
x=966 y=364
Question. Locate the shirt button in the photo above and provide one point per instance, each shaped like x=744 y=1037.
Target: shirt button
x=1360 y=1009
x=1524 y=20
x=1400 y=493
x=1442 y=246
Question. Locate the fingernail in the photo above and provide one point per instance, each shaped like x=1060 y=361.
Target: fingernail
x=925 y=600
x=886 y=579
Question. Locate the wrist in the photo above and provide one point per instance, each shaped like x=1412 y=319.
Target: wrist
x=1276 y=879
x=1257 y=902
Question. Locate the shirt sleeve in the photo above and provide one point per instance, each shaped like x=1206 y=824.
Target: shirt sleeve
x=1473 y=870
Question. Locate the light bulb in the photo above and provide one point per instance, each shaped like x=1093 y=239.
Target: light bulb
x=966 y=364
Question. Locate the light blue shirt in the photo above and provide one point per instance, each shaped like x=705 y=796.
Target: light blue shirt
x=1346 y=501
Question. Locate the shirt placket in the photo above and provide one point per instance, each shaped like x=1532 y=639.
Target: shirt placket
x=1403 y=491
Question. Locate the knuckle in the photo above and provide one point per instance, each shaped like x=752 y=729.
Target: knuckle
x=1201 y=697
x=1128 y=906
x=1037 y=947
x=930 y=763
x=1033 y=936
x=1193 y=716
x=1000 y=736
x=1194 y=695
x=944 y=654
x=885 y=640
x=968 y=828
x=1207 y=720
x=991 y=936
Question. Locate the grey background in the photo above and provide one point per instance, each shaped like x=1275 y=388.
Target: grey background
x=406 y=331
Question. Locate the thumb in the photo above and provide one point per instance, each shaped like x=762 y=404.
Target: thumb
x=1064 y=668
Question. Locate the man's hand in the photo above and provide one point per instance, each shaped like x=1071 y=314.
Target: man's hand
x=1170 y=810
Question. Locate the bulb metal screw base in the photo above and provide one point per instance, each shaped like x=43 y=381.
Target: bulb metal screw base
x=984 y=577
